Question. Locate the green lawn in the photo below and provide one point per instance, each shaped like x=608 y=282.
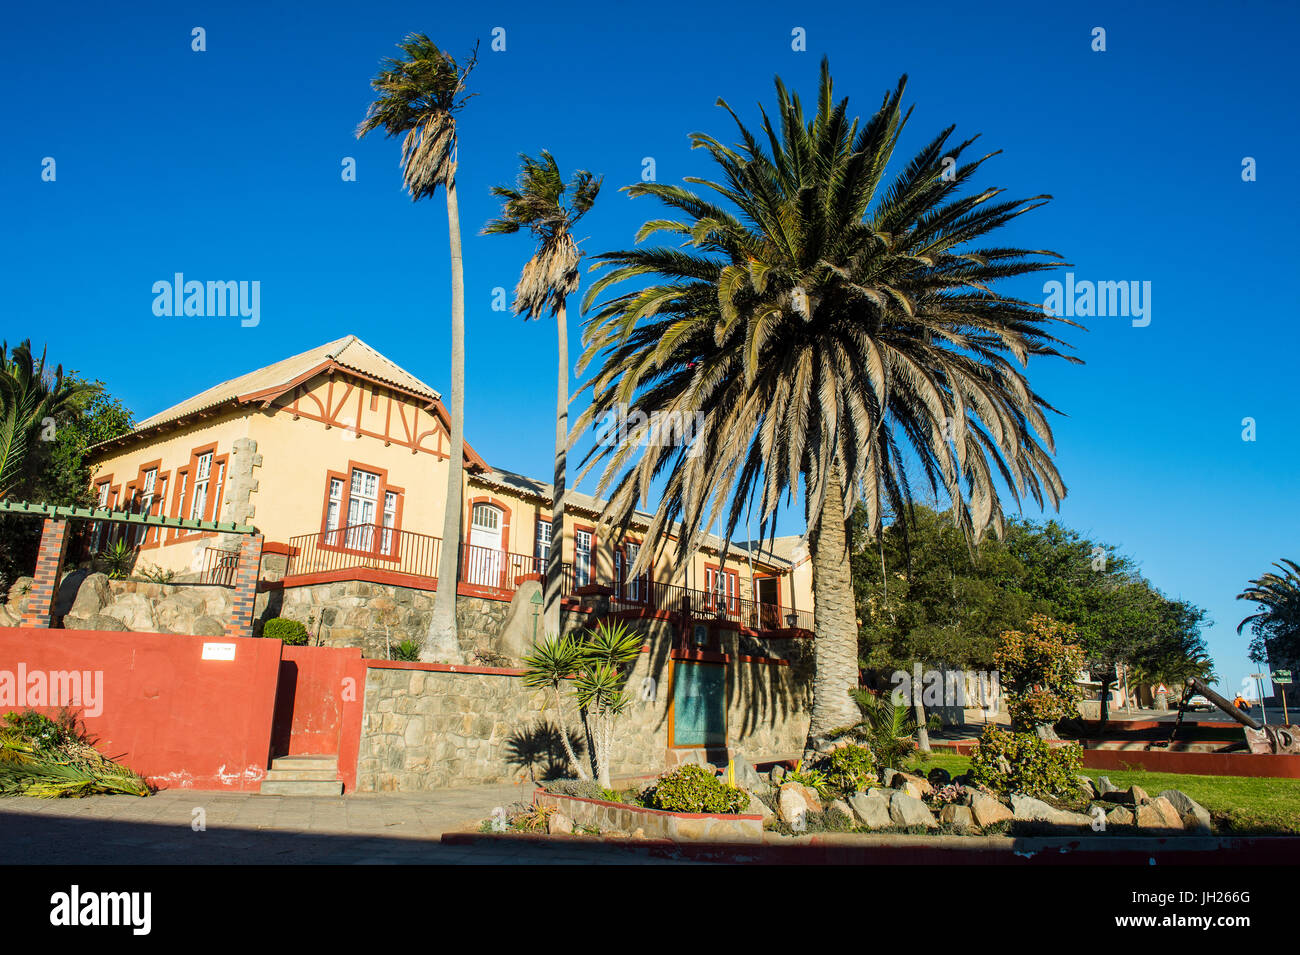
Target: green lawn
x=1237 y=804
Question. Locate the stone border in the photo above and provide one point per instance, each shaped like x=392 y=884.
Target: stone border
x=655 y=823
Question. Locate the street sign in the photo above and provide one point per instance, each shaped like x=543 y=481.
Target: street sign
x=1162 y=689
x=1281 y=676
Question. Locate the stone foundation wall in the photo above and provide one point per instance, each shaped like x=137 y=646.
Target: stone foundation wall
x=376 y=617
x=426 y=729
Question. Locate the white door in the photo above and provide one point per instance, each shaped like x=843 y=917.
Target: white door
x=483 y=561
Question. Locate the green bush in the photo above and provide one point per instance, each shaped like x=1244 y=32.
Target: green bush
x=850 y=768
x=1023 y=763
x=692 y=788
x=293 y=633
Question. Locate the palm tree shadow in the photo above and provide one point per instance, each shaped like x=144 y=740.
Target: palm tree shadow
x=541 y=746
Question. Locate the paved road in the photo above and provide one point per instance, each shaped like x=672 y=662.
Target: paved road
x=246 y=828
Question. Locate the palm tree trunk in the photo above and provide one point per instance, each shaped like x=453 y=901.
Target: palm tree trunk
x=922 y=731
x=834 y=617
x=564 y=737
x=440 y=642
x=555 y=559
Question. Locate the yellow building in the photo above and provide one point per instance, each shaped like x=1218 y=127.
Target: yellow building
x=337 y=456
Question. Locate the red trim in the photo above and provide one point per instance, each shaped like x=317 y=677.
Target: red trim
x=700 y=656
x=275 y=547
x=443 y=668
x=381 y=492
x=392 y=578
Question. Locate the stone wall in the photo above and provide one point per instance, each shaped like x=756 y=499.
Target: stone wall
x=377 y=617
x=425 y=728
x=91 y=601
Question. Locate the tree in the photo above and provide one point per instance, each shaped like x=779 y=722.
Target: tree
x=1040 y=667
x=32 y=400
x=815 y=323
x=1276 y=625
x=552 y=662
x=549 y=278
x=419 y=97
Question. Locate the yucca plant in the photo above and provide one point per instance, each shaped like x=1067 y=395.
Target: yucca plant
x=118 y=558
x=551 y=662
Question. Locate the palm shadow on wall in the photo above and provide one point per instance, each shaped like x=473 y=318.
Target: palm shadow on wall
x=539 y=748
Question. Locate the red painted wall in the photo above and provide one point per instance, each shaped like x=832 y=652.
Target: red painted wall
x=1200 y=764
x=319 y=703
x=175 y=718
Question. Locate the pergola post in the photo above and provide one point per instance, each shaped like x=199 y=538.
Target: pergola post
x=245 y=582
x=38 y=607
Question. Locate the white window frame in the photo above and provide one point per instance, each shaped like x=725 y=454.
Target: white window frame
x=202 y=478
x=542 y=545
x=390 y=521
x=363 y=505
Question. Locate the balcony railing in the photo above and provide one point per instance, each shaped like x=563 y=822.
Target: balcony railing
x=402 y=552
x=703 y=605
x=405 y=552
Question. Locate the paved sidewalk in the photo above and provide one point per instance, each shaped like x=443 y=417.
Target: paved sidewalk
x=246 y=828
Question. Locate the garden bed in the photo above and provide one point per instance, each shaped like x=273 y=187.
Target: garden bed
x=644 y=823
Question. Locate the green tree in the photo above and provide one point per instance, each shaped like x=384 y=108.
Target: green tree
x=818 y=321
x=33 y=399
x=548 y=207
x=1276 y=624
x=419 y=97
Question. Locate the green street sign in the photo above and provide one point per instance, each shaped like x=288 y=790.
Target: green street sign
x=1281 y=676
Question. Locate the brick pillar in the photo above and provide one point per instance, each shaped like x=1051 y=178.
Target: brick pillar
x=241 y=614
x=38 y=607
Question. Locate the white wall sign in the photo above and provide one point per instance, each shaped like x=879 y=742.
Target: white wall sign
x=218 y=651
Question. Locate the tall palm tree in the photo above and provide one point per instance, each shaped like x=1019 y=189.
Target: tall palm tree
x=30 y=395
x=1277 y=624
x=418 y=98
x=549 y=278
x=821 y=321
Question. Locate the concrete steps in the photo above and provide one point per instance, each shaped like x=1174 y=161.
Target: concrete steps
x=303 y=776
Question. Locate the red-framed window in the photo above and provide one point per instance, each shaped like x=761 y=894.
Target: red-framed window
x=723 y=587
x=636 y=589
x=362 y=513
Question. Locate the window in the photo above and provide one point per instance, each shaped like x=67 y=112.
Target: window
x=216 y=491
x=724 y=589
x=332 y=512
x=97 y=534
x=581 y=558
x=637 y=588
x=390 y=521
x=361 y=510
x=202 y=475
x=146 y=501
x=542 y=549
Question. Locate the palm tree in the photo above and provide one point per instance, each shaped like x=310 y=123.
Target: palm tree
x=1277 y=624
x=418 y=98
x=819 y=322
x=30 y=396
x=548 y=279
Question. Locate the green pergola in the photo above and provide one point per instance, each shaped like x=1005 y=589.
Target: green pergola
x=68 y=512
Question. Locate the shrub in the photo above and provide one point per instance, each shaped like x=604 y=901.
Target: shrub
x=692 y=788
x=850 y=768
x=1039 y=667
x=293 y=633
x=1023 y=763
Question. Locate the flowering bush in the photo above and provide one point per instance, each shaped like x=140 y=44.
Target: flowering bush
x=692 y=788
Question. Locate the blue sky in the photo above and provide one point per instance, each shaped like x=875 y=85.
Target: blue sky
x=225 y=164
